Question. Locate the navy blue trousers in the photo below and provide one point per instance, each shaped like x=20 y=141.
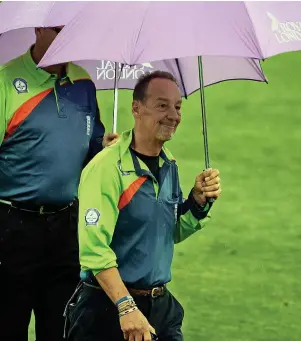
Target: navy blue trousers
x=39 y=271
x=92 y=316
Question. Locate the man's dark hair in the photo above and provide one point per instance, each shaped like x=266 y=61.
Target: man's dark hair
x=140 y=89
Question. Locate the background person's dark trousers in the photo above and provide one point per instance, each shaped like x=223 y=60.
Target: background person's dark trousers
x=39 y=271
x=95 y=318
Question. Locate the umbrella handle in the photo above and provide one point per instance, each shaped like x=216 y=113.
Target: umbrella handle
x=209 y=200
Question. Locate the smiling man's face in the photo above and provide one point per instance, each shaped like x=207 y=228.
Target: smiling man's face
x=160 y=112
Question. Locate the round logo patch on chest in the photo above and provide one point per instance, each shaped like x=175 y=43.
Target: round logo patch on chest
x=20 y=85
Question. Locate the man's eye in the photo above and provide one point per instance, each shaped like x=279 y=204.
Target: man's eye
x=178 y=108
x=162 y=106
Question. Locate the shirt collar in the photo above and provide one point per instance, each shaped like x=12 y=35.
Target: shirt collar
x=41 y=76
x=126 y=160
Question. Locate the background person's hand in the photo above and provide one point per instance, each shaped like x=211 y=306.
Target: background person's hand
x=207 y=185
x=110 y=139
x=135 y=327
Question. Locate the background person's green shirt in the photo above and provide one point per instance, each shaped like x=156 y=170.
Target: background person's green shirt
x=49 y=129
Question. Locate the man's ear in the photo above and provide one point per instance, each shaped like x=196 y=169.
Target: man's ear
x=136 y=109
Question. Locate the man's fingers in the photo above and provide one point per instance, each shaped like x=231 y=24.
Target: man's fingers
x=201 y=177
x=113 y=136
x=138 y=336
x=214 y=194
x=208 y=175
x=212 y=182
x=210 y=188
x=207 y=172
x=112 y=142
x=131 y=337
x=152 y=330
x=147 y=336
x=213 y=174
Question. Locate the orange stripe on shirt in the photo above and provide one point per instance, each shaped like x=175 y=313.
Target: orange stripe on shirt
x=128 y=194
x=23 y=112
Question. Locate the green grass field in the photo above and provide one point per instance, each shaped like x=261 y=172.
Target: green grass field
x=240 y=278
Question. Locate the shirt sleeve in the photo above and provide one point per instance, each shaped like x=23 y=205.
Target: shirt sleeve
x=190 y=218
x=98 y=133
x=99 y=194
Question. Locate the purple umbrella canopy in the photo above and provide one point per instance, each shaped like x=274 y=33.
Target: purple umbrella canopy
x=147 y=31
x=18 y=35
x=23 y=14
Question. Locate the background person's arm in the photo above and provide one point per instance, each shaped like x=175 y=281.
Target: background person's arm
x=96 y=142
x=2 y=112
x=99 y=139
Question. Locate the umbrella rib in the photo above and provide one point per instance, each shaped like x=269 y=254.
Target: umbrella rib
x=139 y=31
x=181 y=77
x=257 y=40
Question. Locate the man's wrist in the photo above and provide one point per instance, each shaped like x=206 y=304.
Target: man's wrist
x=199 y=200
x=128 y=311
x=123 y=299
x=197 y=210
x=126 y=305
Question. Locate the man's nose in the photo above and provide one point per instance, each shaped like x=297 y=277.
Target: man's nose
x=173 y=114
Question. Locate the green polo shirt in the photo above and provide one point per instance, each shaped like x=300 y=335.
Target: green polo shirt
x=49 y=129
x=23 y=74
x=129 y=219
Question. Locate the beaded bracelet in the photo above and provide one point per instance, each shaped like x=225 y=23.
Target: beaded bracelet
x=123 y=313
x=126 y=305
x=125 y=298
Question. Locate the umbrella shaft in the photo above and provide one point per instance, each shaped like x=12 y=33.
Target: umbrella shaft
x=204 y=120
x=115 y=109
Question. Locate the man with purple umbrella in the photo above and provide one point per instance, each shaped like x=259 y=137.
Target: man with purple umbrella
x=131 y=213
x=49 y=130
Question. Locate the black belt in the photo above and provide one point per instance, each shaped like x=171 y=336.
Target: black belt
x=34 y=208
x=153 y=292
